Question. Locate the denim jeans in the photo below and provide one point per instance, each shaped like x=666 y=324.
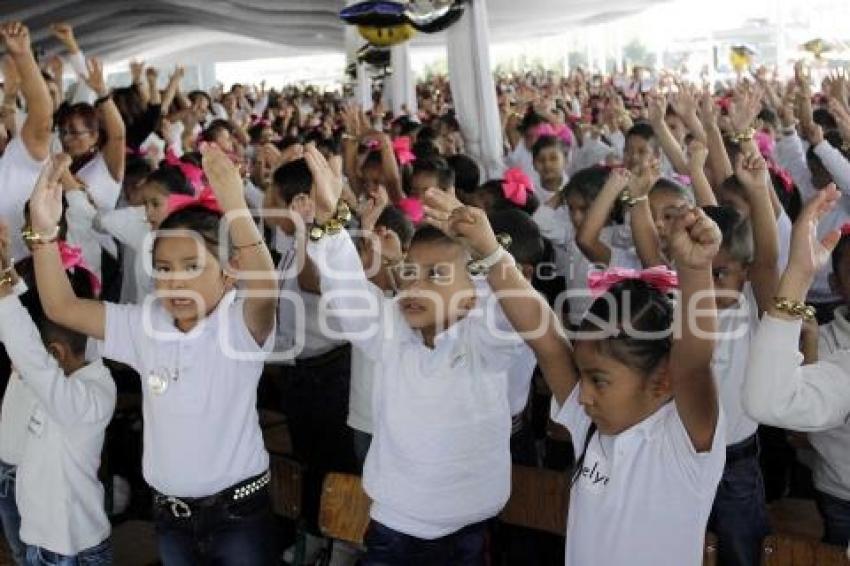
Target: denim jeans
x=386 y=547
x=233 y=534
x=739 y=515
x=9 y=515
x=100 y=555
x=836 y=518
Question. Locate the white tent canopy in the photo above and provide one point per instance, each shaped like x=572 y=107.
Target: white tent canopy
x=218 y=30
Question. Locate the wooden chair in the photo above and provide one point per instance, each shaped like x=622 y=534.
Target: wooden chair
x=286 y=486
x=796 y=517
x=344 y=510
x=781 y=550
x=539 y=500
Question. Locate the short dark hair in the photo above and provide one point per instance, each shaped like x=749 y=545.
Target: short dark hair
x=51 y=332
x=546 y=142
x=588 y=182
x=214 y=129
x=427 y=234
x=527 y=244
x=394 y=219
x=642 y=130
x=292 y=179
x=467 y=173
x=172 y=178
x=204 y=222
x=736 y=230
x=435 y=165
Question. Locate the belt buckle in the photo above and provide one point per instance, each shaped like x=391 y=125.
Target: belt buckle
x=179 y=509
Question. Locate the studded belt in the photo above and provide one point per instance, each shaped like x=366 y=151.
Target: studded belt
x=184 y=507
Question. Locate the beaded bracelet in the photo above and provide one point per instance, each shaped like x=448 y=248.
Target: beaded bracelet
x=796 y=309
x=745 y=136
x=7 y=275
x=332 y=226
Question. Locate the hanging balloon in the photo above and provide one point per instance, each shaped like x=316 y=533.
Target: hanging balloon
x=377 y=58
x=740 y=57
x=817 y=47
x=432 y=16
x=379 y=22
x=386 y=36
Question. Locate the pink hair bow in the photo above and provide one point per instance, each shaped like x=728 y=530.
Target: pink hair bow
x=401 y=147
x=765 y=143
x=783 y=175
x=412 y=208
x=599 y=282
x=516 y=186
x=206 y=199
x=682 y=179
x=193 y=174
x=563 y=132
x=72 y=258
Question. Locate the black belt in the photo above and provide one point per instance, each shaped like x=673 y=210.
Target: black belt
x=182 y=507
x=747 y=448
x=324 y=359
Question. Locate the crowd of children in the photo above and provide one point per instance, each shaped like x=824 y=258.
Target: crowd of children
x=652 y=264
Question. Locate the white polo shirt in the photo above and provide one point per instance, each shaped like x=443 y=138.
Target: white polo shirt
x=831 y=469
x=130 y=227
x=18 y=174
x=363 y=369
x=18 y=406
x=736 y=327
x=643 y=496
x=202 y=432
x=59 y=496
x=440 y=454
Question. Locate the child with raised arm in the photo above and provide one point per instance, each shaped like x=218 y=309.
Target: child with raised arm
x=67 y=403
x=439 y=463
x=199 y=347
x=644 y=414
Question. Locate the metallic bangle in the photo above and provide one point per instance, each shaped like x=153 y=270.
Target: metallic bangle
x=796 y=309
x=629 y=200
x=334 y=225
x=481 y=267
x=35 y=238
x=745 y=136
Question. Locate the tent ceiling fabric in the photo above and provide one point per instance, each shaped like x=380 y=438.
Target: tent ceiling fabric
x=117 y=29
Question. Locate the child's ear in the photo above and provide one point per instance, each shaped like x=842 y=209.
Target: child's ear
x=59 y=352
x=660 y=385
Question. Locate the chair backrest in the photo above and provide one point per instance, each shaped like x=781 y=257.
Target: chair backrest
x=344 y=511
x=286 y=486
x=539 y=500
x=779 y=550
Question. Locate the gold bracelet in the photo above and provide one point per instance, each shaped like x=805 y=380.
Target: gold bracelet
x=745 y=136
x=334 y=225
x=34 y=238
x=796 y=309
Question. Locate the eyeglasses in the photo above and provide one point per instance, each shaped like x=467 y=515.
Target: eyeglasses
x=408 y=273
x=74 y=133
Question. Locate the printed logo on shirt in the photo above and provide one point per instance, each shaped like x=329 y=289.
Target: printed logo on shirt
x=594 y=475
x=36 y=423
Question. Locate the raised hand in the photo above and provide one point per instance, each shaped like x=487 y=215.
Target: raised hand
x=694 y=240
x=137 y=68
x=708 y=112
x=618 y=180
x=751 y=171
x=744 y=109
x=177 y=74
x=224 y=178
x=327 y=182
x=95 y=79
x=814 y=133
x=657 y=107
x=45 y=203
x=809 y=254
x=684 y=102
x=697 y=155
x=467 y=223
x=16 y=37
x=372 y=208
x=65 y=33
x=56 y=67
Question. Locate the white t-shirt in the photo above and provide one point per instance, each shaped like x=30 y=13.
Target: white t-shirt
x=832 y=466
x=440 y=454
x=202 y=432
x=18 y=174
x=363 y=371
x=102 y=187
x=18 y=405
x=643 y=497
x=59 y=496
x=736 y=327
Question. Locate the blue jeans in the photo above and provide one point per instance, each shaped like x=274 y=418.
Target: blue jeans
x=386 y=547
x=739 y=515
x=9 y=515
x=231 y=534
x=836 y=518
x=100 y=555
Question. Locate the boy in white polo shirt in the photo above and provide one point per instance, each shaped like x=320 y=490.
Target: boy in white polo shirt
x=63 y=518
x=439 y=463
